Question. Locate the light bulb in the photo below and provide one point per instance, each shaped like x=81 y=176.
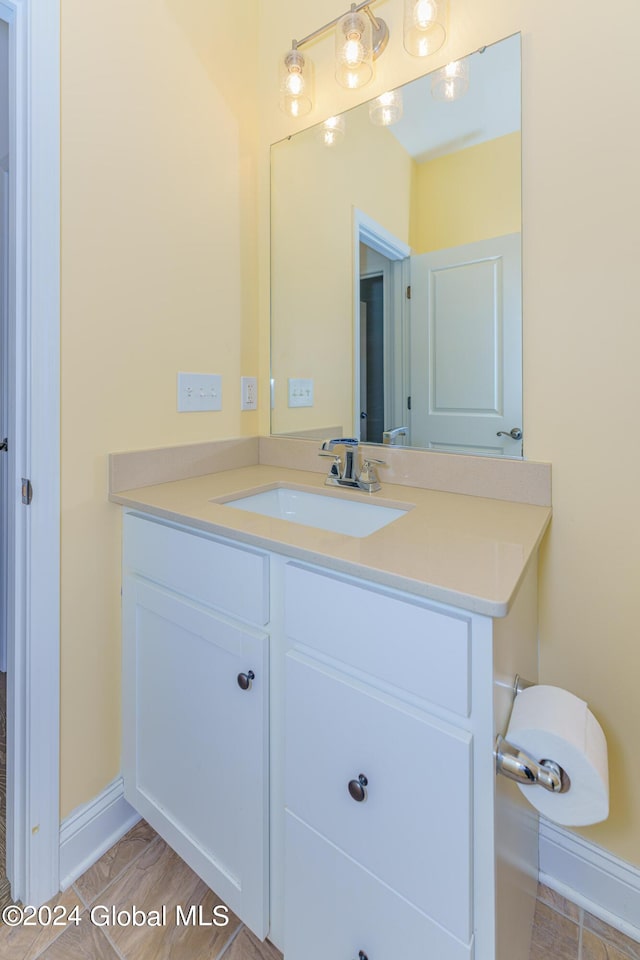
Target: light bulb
x=386 y=109
x=353 y=51
x=332 y=131
x=424 y=14
x=425 y=26
x=451 y=82
x=295 y=82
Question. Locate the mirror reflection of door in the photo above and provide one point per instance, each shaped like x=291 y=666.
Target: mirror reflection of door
x=381 y=361
x=372 y=389
x=466 y=345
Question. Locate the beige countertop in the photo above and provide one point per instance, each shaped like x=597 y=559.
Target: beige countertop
x=471 y=552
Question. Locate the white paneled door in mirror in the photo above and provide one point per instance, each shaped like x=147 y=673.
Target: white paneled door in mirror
x=466 y=391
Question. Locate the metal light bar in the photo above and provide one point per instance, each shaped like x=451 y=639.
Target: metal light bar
x=355 y=8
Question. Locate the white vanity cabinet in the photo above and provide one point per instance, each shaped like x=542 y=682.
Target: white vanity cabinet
x=195 y=704
x=392 y=831
x=380 y=829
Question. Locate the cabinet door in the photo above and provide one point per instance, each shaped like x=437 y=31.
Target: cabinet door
x=195 y=745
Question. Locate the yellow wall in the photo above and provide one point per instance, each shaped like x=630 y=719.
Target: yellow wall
x=159 y=256
x=581 y=209
x=314 y=193
x=470 y=195
x=159 y=238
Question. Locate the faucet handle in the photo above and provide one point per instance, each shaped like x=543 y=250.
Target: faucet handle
x=336 y=466
x=368 y=479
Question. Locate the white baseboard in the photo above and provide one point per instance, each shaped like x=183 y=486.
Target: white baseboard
x=592 y=877
x=90 y=830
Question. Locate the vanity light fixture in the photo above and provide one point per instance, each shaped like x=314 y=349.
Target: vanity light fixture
x=296 y=83
x=386 y=109
x=360 y=39
x=332 y=131
x=354 y=50
x=452 y=82
x=425 y=26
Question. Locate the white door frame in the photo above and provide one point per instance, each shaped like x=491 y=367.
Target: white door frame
x=33 y=743
x=4 y=393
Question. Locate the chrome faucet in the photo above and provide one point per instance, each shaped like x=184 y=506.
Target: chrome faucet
x=346 y=473
x=349 y=474
x=395 y=435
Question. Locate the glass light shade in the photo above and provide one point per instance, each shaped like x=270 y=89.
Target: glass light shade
x=354 y=50
x=296 y=84
x=425 y=26
x=386 y=109
x=452 y=82
x=331 y=132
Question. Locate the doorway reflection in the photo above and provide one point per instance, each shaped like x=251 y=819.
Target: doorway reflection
x=372 y=358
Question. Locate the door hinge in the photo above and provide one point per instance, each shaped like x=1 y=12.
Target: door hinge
x=409 y=292
x=408 y=403
x=4 y=444
x=27 y=491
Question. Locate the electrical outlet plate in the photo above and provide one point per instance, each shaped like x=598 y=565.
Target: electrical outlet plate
x=199 y=391
x=300 y=392
x=248 y=393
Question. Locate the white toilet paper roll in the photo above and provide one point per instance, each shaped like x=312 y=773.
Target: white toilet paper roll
x=550 y=723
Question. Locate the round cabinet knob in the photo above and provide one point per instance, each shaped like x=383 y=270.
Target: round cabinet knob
x=244 y=680
x=357 y=788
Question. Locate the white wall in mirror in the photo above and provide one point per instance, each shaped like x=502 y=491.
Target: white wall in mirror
x=444 y=183
x=490 y=108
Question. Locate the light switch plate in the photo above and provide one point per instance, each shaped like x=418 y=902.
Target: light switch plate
x=300 y=392
x=199 y=391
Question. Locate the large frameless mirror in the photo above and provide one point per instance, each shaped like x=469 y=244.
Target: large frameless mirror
x=396 y=266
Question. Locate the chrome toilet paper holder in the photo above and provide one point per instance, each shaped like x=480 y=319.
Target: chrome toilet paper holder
x=515 y=764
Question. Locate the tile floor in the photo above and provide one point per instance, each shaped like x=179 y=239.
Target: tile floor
x=564 y=931
x=142 y=870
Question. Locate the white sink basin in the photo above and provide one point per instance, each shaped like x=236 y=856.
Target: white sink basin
x=352 y=517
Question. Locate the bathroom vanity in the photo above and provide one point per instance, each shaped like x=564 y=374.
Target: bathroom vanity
x=310 y=717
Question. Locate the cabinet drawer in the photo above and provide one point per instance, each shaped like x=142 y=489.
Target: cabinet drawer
x=413 y=830
x=336 y=909
x=232 y=579
x=397 y=641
